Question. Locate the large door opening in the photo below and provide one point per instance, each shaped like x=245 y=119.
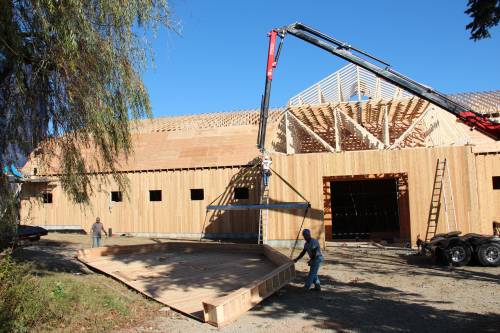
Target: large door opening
x=365 y=209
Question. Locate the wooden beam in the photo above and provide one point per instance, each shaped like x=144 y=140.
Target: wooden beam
x=385 y=133
x=378 y=93
x=410 y=129
x=336 y=125
x=312 y=133
x=320 y=95
x=359 y=131
x=398 y=93
x=224 y=310
x=358 y=82
x=339 y=88
x=288 y=136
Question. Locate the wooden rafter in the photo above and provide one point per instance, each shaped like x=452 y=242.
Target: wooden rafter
x=274 y=127
x=311 y=132
x=386 y=120
x=385 y=133
x=359 y=131
x=410 y=129
x=288 y=135
x=201 y=121
x=338 y=142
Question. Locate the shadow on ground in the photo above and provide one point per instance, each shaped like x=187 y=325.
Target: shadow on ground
x=368 y=307
x=407 y=263
x=48 y=256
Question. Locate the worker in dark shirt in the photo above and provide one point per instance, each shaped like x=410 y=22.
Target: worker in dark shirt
x=96 y=230
x=313 y=249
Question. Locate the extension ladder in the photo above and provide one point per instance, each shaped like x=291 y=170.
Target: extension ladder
x=263 y=214
x=441 y=189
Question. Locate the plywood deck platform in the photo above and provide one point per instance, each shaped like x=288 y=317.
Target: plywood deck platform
x=214 y=283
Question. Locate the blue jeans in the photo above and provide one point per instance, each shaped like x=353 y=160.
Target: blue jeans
x=313 y=273
x=96 y=241
x=266 y=177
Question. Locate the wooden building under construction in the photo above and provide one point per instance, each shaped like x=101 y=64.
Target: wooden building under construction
x=369 y=158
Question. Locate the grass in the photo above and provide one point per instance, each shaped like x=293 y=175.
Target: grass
x=63 y=302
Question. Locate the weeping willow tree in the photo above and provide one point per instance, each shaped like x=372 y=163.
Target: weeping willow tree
x=70 y=80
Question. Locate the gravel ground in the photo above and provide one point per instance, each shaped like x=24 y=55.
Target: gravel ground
x=364 y=290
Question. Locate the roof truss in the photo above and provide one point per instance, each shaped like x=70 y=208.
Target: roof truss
x=358 y=131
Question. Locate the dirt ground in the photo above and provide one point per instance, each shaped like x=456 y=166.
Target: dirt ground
x=364 y=290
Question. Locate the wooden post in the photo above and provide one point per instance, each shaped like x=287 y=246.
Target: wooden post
x=320 y=95
x=378 y=88
x=338 y=143
x=339 y=88
x=385 y=134
x=358 y=83
x=398 y=93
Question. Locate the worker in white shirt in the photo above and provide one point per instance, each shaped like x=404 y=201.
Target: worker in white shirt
x=266 y=168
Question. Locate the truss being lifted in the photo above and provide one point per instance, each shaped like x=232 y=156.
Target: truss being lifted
x=350 y=83
x=352 y=109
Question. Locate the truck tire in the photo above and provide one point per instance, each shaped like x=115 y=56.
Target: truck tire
x=458 y=254
x=489 y=254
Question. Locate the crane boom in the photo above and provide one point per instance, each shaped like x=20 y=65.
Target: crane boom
x=345 y=51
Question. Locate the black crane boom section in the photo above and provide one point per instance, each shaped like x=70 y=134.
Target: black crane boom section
x=345 y=51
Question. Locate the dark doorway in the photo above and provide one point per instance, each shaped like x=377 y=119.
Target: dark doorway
x=364 y=209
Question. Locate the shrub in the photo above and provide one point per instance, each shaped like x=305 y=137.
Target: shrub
x=23 y=303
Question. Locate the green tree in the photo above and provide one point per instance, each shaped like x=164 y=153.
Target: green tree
x=485 y=15
x=70 y=80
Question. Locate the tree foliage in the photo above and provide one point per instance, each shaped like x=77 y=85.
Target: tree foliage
x=485 y=15
x=70 y=79
x=70 y=82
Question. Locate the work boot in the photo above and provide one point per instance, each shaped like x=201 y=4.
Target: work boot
x=317 y=287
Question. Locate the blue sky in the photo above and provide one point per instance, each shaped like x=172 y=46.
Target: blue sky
x=218 y=62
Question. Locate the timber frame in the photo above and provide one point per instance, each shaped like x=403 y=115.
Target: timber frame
x=217 y=311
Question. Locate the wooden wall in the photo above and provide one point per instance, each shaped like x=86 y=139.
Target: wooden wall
x=477 y=204
x=175 y=214
x=470 y=177
x=487 y=165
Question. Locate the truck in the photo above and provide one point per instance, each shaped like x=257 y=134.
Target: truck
x=453 y=249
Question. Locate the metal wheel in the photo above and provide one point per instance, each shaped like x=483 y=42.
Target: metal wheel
x=457 y=254
x=489 y=254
